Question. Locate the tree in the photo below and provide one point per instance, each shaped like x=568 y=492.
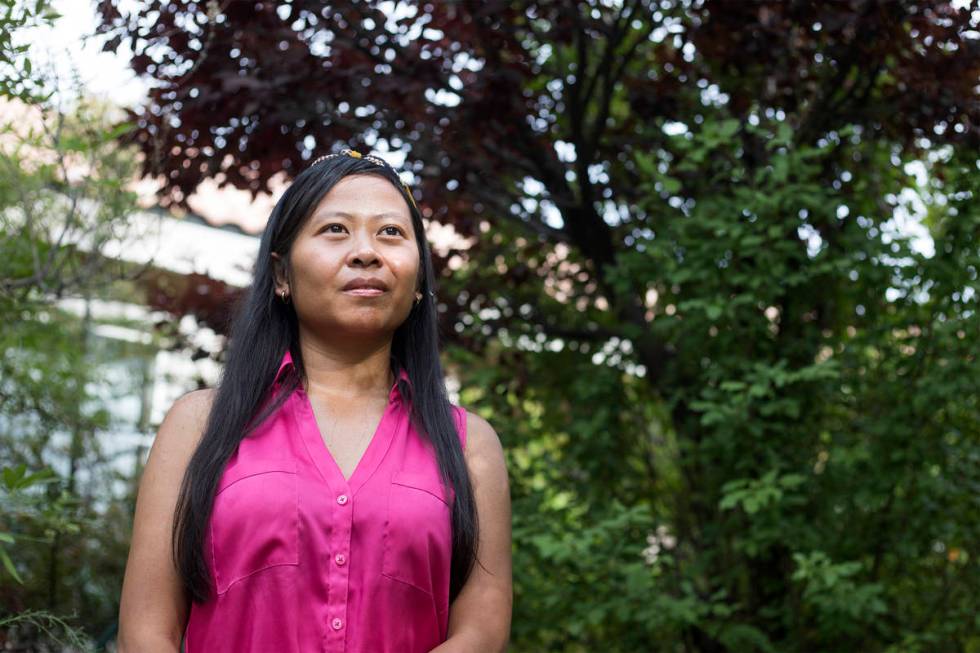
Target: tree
x=63 y=205
x=16 y=68
x=687 y=307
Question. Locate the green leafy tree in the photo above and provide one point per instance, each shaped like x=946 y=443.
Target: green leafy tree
x=17 y=78
x=63 y=203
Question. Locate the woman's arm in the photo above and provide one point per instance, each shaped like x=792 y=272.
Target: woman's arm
x=152 y=609
x=479 y=618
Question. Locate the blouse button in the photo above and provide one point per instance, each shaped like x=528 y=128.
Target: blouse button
x=337 y=623
x=340 y=559
x=342 y=499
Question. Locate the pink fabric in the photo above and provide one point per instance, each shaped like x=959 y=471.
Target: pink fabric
x=306 y=561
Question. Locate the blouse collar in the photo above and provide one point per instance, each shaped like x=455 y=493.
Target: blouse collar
x=287 y=362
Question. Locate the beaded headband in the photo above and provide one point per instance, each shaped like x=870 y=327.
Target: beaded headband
x=354 y=154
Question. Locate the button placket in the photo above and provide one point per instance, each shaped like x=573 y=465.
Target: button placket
x=336 y=576
x=339 y=574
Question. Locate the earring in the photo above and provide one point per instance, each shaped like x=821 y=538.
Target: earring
x=282 y=294
x=418 y=298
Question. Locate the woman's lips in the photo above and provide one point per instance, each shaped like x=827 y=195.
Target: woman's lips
x=364 y=292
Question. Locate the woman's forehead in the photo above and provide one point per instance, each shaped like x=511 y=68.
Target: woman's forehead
x=361 y=197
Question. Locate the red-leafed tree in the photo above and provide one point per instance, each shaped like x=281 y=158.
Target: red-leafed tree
x=485 y=95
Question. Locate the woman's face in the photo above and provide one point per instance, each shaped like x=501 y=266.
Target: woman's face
x=361 y=228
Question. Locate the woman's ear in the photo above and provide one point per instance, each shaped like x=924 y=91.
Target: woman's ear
x=279 y=271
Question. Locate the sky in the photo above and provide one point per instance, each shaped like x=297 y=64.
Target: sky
x=106 y=74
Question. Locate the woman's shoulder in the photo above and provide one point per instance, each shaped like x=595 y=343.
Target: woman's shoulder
x=176 y=440
x=487 y=466
x=474 y=421
x=482 y=440
x=184 y=423
x=194 y=405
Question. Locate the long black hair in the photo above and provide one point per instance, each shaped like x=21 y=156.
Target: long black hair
x=263 y=328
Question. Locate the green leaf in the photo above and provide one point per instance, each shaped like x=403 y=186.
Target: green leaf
x=9 y=565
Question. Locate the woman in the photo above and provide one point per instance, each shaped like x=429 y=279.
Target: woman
x=326 y=496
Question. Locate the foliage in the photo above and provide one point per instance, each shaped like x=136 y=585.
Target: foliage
x=63 y=207
x=17 y=78
x=52 y=516
x=738 y=400
x=63 y=197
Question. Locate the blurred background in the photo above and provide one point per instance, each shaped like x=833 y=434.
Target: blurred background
x=709 y=268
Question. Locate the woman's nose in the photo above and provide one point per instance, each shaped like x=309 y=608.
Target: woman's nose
x=363 y=248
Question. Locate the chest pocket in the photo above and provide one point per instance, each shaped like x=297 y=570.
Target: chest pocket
x=418 y=532
x=255 y=520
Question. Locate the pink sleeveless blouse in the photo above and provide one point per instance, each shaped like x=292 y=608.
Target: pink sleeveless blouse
x=306 y=561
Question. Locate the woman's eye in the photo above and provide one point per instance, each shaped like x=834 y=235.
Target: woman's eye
x=397 y=230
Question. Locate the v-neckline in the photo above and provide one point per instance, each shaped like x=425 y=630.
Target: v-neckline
x=374 y=434
x=324 y=460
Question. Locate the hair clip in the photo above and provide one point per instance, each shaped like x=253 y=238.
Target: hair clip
x=373 y=159
x=322 y=158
